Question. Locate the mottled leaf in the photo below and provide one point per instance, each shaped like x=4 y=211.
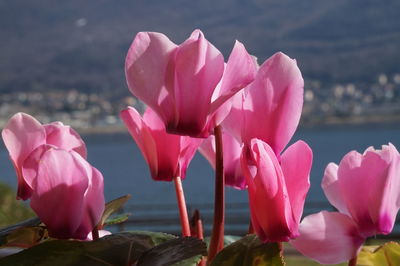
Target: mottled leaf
x=117 y=249
x=385 y=255
x=249 y=251
x=14 y=230
x=228 y=239
x=175 y=251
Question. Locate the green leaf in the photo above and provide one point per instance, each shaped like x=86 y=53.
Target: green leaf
x=387 y=254
x=116 y=249
x=13 y=232
x=117 y=219
x=179 y=251
x=249 y=251
x=112 y=207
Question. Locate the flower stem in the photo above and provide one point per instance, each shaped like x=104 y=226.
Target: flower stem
x=353 y=261
x=217 y=237
x=182 y=206
x=95 y=233
x=280 y=246
x=251 y=228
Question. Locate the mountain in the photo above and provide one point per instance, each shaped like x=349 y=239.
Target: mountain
x=47 y=44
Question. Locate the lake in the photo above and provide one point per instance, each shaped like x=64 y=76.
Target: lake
x=125 y=171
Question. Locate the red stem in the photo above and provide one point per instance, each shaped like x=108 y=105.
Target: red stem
x=217 y=237
x=251 y=228
x=353 y=261
x=182 y=206
x=95 y=233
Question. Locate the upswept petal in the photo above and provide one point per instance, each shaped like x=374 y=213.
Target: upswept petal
x=188 y=149
x=296 y=164
x=235 y=121
x=240 y=71
x=330 y=185
x=65 y=137
x=60 y=179
x=276 y=98
x=362 y=182
x=167 y=147
x=142 y=136
x=198 y=69
x=328 y=237
x=146 y=65
x=21 y=135
x=231 y=150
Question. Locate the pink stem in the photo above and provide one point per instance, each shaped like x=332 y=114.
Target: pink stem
x=182 y=206
x=217 y=237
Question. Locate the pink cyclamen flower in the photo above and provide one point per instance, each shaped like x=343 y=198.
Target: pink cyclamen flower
x=23 y=134
x=365 y=189
x=277 y=191
x=167 y=155
x=66 y=192
x=231 y=150
x=274 y=98
x=186 y=84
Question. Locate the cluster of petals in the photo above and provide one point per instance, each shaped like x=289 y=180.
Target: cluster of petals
x=269 y=109
x=65 y=191
x=365 y=189
x=277 y=190
x=167 y=155
x=187 y=85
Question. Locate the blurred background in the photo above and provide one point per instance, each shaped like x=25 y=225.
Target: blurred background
x=63 y=60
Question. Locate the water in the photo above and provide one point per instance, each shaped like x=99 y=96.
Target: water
x=125 y=171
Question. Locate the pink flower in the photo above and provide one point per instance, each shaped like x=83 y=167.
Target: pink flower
x=270 y=107
x=23 y=134
x=365 y=188
x=66 y=192
x=231 y=150
x=186 y=84
x=277 y=191
x=167 y=155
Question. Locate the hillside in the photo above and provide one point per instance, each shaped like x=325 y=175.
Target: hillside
x=48 y=44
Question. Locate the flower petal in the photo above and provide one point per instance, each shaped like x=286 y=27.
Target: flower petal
x=275 y=97
x=198 y=69
x=331 y=188
x=328 y=237
x=269 y=199
x=296 y=164
x=21 y=135
x=240 y=70
x=363 y=181
x=65 y=137
x=232 y=150
x=58 y=193
x=146 y=68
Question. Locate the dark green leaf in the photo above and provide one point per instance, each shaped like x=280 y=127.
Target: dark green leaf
x=117 y=249
x=174 y=251
x=112 y=207
x=385 y=255
x=227 y=240
x=249 y=251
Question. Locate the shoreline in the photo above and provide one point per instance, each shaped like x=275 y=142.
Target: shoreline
x=305 y=123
